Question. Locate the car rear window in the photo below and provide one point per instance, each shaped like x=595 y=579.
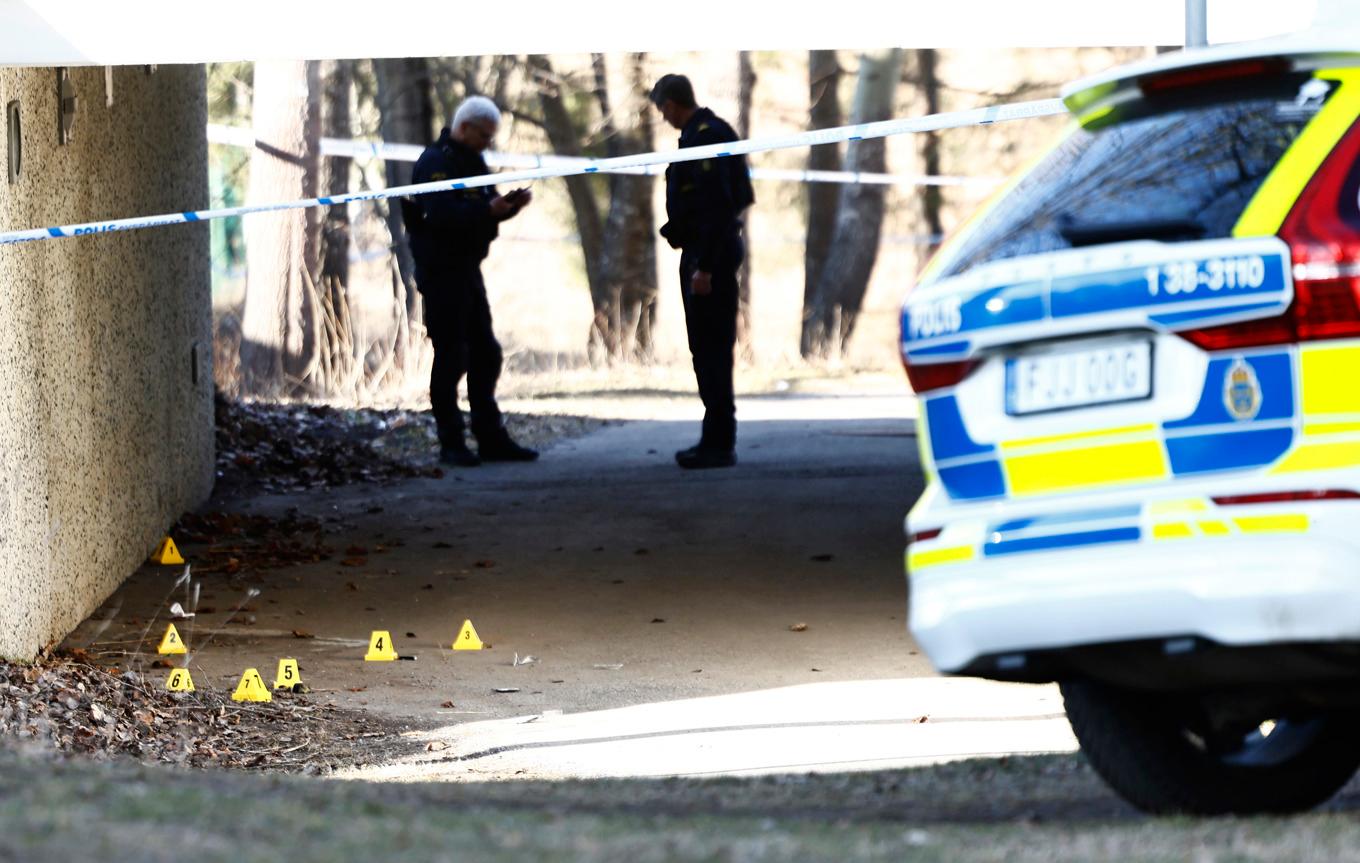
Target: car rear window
x=1179 y=169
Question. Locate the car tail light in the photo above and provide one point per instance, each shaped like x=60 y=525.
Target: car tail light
x=922 y=536
x=1323 y=233
x=937 y=376
x=1218 y=73
x=1288 y=496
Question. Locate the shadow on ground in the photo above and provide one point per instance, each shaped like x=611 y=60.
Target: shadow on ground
x=1024 y=808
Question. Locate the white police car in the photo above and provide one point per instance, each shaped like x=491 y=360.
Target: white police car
x=1139 y=378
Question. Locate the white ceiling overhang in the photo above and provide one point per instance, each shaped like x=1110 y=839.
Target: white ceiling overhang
x=119 y=32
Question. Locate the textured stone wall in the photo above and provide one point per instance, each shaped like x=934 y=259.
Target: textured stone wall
x=105 y=341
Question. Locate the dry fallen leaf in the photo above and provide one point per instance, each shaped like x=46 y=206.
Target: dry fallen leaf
x=302 y=633
x=447 y=705
x=798 y=627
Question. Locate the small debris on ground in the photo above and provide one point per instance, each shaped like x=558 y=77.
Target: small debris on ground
x=64 y=702
x=798 y=627
x=238 y=544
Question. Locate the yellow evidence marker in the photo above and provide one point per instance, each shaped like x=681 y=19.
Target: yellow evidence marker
x=166 y=554
x=179 y=681
x=251 y=688
x=467 y=638
x=171 y=643
x=380 y=647
x=288 y=675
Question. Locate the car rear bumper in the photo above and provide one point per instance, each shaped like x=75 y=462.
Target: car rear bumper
x=1298 y=581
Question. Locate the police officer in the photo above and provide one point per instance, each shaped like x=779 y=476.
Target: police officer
x=704 y=204
x=451 y=232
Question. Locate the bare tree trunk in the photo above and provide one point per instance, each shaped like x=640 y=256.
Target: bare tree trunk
x=406 y=114
x=639 y=295
x=606 y=329
x=565 y=139
x=859 y=216
x=339 y=356
x=746 y=85
x=932 y=197
x=338 y=83
x=824 y=75
x=619 y=244
x=630 y=244
x=279 y=327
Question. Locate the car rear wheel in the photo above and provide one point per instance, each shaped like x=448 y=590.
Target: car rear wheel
x=1165 y=755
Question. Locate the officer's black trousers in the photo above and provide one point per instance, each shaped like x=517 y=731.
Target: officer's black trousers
x=458 y=319
x=711 y=322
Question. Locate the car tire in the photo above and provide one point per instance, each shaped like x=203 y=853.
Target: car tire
x=1153 y=750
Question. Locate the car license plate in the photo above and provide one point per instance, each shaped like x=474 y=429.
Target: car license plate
x=1059 y=380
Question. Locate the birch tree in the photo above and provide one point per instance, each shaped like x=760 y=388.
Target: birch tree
x=844 y=277
x=283 y=249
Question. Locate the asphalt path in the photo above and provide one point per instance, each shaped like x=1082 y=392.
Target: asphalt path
x=640 y=620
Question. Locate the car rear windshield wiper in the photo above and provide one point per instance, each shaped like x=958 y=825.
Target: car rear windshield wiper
x=1094 y=234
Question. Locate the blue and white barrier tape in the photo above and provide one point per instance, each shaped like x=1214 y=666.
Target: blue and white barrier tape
x=238 y=136
x=882 y=129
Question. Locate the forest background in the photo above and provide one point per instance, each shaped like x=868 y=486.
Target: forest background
x=321 y=304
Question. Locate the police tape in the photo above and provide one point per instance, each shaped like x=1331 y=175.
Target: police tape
x=238 y=136
x=839 y=134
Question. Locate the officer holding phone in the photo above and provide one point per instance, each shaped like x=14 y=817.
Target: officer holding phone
x=451 y=233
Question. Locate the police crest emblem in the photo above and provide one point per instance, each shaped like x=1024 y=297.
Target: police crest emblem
x=1242 y=391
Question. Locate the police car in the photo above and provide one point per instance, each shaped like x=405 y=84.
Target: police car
x=1138 y=371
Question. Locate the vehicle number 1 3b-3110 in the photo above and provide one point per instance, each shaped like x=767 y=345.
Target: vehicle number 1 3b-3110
x=1214 y=274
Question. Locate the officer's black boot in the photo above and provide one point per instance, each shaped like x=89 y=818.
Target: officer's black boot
x=701 y=456
x=458 y=455
x=497 y=445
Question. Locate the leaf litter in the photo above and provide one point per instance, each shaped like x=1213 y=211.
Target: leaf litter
x=64 y=704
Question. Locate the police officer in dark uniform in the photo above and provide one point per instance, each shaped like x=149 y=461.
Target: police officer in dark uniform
x=704 y=204
x=450 y=233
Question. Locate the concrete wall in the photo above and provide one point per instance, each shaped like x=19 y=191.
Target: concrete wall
x=106 y=432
